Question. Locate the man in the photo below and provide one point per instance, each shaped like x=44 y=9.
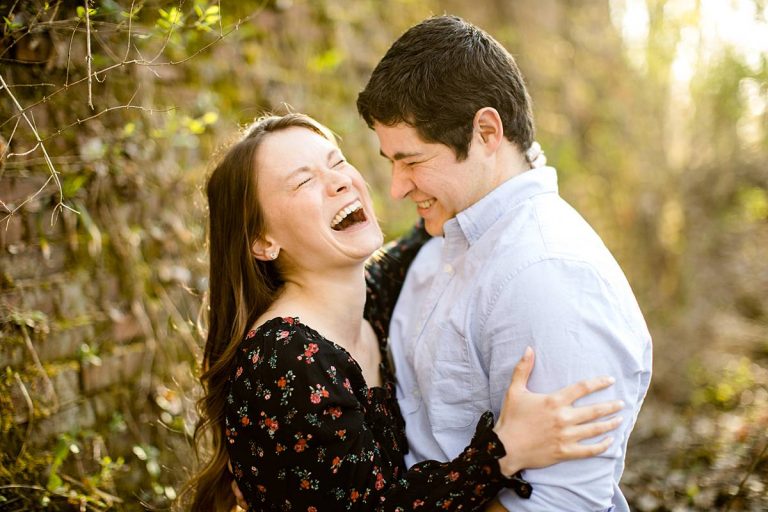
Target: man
x=512 y=265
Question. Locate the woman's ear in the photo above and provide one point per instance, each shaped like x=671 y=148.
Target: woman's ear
x=265 y=249
x=489 y=126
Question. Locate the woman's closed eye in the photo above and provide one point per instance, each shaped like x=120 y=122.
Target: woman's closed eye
x=304 y=181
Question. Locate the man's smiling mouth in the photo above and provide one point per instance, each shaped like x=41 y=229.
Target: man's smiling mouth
x=425 y=204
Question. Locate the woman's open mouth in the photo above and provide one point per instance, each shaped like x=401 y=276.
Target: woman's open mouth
x=349 y=216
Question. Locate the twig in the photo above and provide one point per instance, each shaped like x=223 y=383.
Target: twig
x=11 y=213
x=138 y=62
x=30 y=406
x=109 y=498
x=42 y=84
x=28 y=487
x=51 y=168
x=177 y=317
x=746 y=476
x=167 y=37
x=130 y=26
x=88 y=56
x=69 y=53
x=6 y=149
x=25 y=153
x=118 y=107
x=36 y=359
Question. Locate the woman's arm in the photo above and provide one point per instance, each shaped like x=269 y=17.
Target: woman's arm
x=385 y=273
x=298 y=434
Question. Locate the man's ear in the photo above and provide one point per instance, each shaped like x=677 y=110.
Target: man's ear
x=487 y=124
x=265 y=249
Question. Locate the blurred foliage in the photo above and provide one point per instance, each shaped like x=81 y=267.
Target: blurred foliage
x=659 y=133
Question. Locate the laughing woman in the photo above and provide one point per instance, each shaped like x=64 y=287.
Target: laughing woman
x=297 y=393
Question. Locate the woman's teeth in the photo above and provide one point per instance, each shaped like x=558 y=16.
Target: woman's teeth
x=344 y=212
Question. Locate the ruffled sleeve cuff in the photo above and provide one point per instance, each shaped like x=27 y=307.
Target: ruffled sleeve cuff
x=488 y=449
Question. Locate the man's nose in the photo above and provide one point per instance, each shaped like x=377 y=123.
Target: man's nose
x=401 y=184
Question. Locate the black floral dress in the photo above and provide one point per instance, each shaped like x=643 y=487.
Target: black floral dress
x=305 y=433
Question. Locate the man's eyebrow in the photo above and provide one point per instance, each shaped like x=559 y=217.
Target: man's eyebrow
x=399 y=155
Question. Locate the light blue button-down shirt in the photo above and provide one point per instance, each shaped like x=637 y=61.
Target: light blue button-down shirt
x=519 y=267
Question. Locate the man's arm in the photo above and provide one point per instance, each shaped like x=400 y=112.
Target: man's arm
x=579 y=329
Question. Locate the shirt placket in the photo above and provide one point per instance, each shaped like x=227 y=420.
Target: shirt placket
x=454 y=246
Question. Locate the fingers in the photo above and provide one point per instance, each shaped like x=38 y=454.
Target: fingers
x=573 y=449
x=587 y=413
x=571 y=393
x=589 y=430
x=523 y=370
x=581 y=451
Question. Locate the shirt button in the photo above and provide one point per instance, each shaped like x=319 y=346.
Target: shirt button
x=447 y=268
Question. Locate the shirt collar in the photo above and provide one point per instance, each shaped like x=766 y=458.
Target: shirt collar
x=473 y=222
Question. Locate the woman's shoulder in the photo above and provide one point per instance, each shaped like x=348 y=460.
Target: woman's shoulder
x=285 y=343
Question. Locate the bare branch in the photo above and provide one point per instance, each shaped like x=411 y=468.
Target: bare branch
x=12 y=212
x=117 y=107
x=51 y=168
x=42 y=84
x=7 y=148
x=744 y=479
x=25 y=153
x=51 y=392
x=88 y=56
x=69 y=53
x=130 y=26
x=30 y=407
x=139 y=62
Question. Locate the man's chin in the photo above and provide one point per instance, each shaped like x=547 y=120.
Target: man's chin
x=434 y=228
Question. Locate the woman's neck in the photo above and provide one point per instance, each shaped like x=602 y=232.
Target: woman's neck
x=331 y=302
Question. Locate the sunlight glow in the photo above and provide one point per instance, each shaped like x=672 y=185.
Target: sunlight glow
x=736 y=25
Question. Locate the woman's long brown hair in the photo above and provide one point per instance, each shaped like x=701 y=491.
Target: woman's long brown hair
x=241 y=288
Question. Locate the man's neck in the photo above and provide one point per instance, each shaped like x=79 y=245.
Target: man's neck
x=510 y=162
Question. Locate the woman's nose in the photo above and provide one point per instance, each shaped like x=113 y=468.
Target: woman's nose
x=339 y=182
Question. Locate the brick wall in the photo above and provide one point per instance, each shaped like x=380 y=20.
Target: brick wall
x=95 y=325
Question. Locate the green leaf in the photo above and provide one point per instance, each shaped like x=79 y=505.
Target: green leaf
x=54 y=482
x=326 y=61
x=72 y=184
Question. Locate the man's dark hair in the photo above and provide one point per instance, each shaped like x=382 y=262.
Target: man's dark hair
x=437 y=75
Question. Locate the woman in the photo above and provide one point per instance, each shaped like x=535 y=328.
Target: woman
x=297 y=393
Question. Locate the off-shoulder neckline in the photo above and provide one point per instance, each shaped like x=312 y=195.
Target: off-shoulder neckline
x=296 y=321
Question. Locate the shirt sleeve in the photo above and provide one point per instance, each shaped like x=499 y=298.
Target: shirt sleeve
x=385 y=273
x=298 y=439
x=579 y=327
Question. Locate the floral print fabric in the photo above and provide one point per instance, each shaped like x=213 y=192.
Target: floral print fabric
x=306 y=433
